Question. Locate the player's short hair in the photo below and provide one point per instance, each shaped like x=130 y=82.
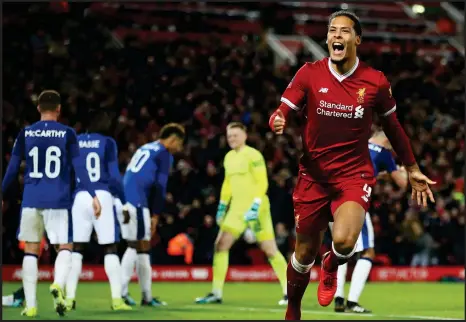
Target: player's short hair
x=357 y=24
x=236 y=125
x=49 y=100
x=172 y=129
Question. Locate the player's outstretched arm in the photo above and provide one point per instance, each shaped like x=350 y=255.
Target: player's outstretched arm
x=15 y=162
x=386 y=106
x=292 y=99
x=116 y=183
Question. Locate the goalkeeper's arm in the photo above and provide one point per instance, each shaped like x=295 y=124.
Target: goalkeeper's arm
x=259 y=171
x=225 y=196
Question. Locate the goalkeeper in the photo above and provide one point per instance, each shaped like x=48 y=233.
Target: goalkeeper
x=244 y=193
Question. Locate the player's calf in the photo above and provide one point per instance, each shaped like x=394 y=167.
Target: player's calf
x=144 y=270
x=113 y=270
x=298 y=271
x=30 y=276
x=73 y=276
x=348 y=221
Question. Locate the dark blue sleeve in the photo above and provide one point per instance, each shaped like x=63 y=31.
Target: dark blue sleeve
x=15 y=162
x=116 y=184
x=164 y=162
x=78 y=163
x=388 y=161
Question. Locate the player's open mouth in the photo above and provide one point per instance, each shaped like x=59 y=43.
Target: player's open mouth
x=338 y=48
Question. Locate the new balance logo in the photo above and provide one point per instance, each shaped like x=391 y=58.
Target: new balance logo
x=323 y=90
x=358 y=112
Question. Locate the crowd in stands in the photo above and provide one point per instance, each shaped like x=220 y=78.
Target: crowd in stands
x=205 y=85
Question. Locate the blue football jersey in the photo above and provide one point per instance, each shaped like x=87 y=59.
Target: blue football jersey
x=146 y=177
x=382 y=159
x=51 y=152
x=100 y=155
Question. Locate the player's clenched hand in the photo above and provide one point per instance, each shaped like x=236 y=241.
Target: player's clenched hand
x=420 y=184
x=97 y=207
x=279 y=123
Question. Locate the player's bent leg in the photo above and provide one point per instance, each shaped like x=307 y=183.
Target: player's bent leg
x=128 y=264
x=225 y=240
x=129 y=232
x=278 y=263
x=298 y=271
x=348 y=221
x=73 y=276
x=144 y=271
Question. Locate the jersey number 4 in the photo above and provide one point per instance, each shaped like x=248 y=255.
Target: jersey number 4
x=52 y=157
x=138 y=160
x=368 y=190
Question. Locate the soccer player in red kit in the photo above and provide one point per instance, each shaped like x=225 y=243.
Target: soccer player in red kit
x=337 y=96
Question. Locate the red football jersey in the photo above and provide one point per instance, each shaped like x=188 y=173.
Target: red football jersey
x=338 y=111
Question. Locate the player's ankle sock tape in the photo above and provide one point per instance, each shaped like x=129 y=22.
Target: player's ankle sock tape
x=30 y=254
x=144 y=252
x=300 y=268
x=367 y=259
x=340 y=256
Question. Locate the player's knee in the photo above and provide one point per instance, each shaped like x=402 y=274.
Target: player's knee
x=78 y=248
x=368 y=253
x=305 y=253
x=110 y=249
x=269 y=248
x=143 y=246
x=32 y=248
x=132 y=244
x=223 y=242
x=344 y=245
x=61 y=247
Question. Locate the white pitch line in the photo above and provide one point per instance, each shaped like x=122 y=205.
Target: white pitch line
x=242 y=308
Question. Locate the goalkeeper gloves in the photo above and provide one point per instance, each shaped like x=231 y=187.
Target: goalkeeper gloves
x=221 y=210
x=252 y=215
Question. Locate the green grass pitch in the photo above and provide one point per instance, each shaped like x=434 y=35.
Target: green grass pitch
x=256 y=301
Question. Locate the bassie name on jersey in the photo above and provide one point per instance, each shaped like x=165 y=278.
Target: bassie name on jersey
x=45 y=133
x=90 y=144
x=339 y=110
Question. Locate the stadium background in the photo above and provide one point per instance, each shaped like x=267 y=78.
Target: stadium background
x=205 y=65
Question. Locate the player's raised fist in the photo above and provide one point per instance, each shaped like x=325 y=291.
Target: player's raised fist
x=279 y=123
x=97 y=207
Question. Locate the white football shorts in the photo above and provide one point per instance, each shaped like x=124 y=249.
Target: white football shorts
x=57 y=223
x=106 y=226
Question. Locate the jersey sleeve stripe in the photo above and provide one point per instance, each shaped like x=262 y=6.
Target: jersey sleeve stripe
x=393 y=109
x=289 y=103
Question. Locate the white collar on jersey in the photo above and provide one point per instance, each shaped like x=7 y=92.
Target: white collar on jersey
x=347 y=74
